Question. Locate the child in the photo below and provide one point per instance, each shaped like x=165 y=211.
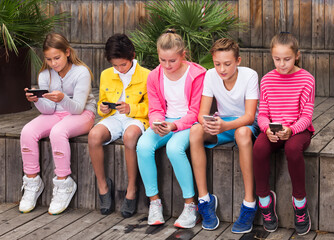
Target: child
x=287 y=97
x=174 y=90
x=236 y=92
x=125 y=85
x=68 y=110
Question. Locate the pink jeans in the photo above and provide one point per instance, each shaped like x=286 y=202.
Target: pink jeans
x=59 y=126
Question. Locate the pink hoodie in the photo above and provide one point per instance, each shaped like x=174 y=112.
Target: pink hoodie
x=193 y=91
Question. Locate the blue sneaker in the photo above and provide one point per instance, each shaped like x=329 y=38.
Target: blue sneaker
x=208 y=212
x=244 y=224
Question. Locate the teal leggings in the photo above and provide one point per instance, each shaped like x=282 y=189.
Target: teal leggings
x=176 y=145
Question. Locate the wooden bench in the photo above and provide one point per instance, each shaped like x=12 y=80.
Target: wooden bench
x=224 y=175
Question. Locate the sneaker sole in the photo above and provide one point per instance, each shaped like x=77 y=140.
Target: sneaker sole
x=191 y=226
x=273 y=230
x=156 y=223
x=68 y=201
x=38 y=194
x=216 y=205
x=246 y=231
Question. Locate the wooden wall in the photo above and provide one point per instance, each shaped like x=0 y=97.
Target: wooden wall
x=311 y=21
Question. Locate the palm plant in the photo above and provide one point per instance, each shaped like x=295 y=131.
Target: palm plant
x=199 y=22
x=24 y=23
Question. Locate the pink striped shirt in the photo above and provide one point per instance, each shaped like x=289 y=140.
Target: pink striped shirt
x=287 y=99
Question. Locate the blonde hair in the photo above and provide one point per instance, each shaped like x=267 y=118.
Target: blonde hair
x=170 y=40
x=226 y=44
x=58 y=41
x=285 y=38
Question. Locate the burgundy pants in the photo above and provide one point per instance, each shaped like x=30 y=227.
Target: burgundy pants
x=294 y=148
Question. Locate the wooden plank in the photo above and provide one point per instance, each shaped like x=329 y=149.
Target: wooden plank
x=65 y=219
x=227 y=234
x=245 y=17
x=13 y=223
x=108 y=19
x=163 y=231
x=65 y=7
x=238 y=185
x=256 y=63
x=244 y=58
x=86 y=21
x=121 y=179
x=318 y=26
x=178 y=201
x=75 y=160
x=11 y=213
x=30 y=226
x=322 y=76
x=309 y=63
x=223 y=181
x=281 y=233
x=7 y=206
x=329 y=24
x=87 y=57
x=280 y=16
x=256 y=23
x=97 y=68
x=141 y=12
x=99 y=227
x=186 y=233
x=129 y=15
x=75 y=22
x=305 y=23
x=77 y=226
x=97 y=21
x=125 y=227
x=321 y=122
x=331 y=75
x=86 y=179
x=3 y=170
x=234 y=7
x=268 y=22
x=47 y=171
x=293 y=17
x=208 y=235
x=310 y=236
x=268 y=63
x=13 y=170
x=119 y=21
x=325 y=236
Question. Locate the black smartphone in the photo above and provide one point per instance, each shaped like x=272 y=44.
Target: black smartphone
x=111 y=105
x=37 y=92
x=275 y=127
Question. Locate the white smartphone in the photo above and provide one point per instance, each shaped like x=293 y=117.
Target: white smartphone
x=208 y=118
x=157 y=123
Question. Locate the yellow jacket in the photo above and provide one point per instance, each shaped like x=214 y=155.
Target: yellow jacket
x=111 y=87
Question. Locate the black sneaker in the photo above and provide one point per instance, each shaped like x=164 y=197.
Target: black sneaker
x=106 y=199
x=269 y=216
x=302 y=219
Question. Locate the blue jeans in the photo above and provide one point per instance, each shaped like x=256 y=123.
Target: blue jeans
x=176 y=146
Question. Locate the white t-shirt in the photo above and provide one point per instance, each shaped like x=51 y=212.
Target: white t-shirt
x=177 y=105
x=232 y=103
x=126 y=79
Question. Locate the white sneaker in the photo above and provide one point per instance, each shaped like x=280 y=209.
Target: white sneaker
x=155 y=216
x=189 y=217
x=63 y=192
x=33 y=187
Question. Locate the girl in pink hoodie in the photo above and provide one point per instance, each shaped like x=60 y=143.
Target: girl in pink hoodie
x=174 y=91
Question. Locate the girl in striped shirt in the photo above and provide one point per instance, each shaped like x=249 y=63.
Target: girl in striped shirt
x=287 y=97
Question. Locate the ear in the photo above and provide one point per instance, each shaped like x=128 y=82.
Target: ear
x=67 y=52
x=298 y=55
x=134 y=55
x=238 y=61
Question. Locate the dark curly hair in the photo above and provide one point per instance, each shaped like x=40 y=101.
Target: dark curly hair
x=119 y=46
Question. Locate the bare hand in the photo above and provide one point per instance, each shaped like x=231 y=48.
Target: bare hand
x=54 y=96
x=104 y=108
x=164 y=128
x=214 y=127
x=271 y=136
x=30 y=96
x=285 y=134
x=123 y=108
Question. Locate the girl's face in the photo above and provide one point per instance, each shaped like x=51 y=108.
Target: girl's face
x=57 y=59
x=284 y=59
x=121 y=64
x=170 y=60
x=226 y=64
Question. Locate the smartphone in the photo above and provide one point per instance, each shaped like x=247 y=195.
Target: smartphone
x=209 y=118
x=275 y=127
x=111 y=105
x=37 y=92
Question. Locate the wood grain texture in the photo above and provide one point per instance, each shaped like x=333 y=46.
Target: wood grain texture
x=256 y=23
x=318 y=28
x=3 y=170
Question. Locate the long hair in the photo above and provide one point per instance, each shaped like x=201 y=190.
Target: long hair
x=58 y=41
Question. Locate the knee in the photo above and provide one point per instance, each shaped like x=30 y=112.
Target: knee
x=293 y=152
x=243 y=136
x=174 y=149
x=196 y=134
x=94 y=138
x=58 y=133
x=130 y=139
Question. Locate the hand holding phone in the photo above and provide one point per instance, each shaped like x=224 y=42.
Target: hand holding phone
x=37 y=92
x=111 y=105
x=159 y=124
x=275 y=127
x=209 y=118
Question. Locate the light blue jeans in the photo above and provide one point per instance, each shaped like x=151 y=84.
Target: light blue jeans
x=176 y=146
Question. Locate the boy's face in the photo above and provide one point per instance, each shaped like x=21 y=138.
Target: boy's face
x=121 y=64
x=226 y=64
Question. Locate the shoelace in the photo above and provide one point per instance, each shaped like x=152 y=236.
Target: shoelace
x=187 y=211
x=267 y=217
x=300 y=218
x=60 y=194
x=29 y=191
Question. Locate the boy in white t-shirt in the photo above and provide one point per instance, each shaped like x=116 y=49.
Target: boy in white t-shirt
x=236 y=91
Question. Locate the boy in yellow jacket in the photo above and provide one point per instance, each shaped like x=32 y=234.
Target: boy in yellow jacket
x=123 y=104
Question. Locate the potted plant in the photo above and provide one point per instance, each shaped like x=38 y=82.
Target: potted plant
x=23 y=26
x=199 y=22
